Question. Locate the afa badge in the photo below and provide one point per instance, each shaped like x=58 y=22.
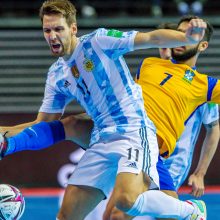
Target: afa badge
x=88 y=65
x=188 y=76
x=75 y=71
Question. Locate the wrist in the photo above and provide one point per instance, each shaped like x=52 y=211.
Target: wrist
x=200 y=173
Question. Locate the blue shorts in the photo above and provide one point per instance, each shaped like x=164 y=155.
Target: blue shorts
x=165 y=179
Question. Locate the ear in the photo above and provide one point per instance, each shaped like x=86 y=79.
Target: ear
x=203 y=46
x=74 y=28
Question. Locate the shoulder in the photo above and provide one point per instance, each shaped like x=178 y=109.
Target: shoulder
x=154 y=60
x=202 y=76
x=97 y=32
x=209 y=112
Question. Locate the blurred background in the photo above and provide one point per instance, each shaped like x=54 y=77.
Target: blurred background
x=25 y=59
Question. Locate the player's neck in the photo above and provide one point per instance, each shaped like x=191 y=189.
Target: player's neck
x=72 y=47
x=190 y=62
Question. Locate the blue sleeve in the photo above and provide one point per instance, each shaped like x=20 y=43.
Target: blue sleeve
x=39 y=136
x=211 y=85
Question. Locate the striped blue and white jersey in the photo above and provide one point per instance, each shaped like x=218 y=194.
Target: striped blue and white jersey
x=179 y=162
x=97 y=76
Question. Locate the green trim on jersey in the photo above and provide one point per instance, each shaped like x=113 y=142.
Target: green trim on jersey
x=115 y=33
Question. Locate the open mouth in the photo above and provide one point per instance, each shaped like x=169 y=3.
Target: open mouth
x=56 y=47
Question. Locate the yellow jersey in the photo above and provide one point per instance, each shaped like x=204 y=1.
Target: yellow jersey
x=172 y=92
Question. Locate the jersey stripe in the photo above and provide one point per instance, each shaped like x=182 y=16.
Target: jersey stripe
x=137 y=107
x=111 y=99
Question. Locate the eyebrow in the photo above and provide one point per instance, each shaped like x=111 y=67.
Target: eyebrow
x=60 y=26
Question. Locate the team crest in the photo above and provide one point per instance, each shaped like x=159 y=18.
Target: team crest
x=188 y=76
x=88 y=65
x=75 y=71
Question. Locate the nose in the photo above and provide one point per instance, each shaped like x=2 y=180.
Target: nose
x=52 y=35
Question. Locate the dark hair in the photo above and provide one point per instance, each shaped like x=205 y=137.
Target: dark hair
x=167 y=25
x=63 y=7
x=208 y=31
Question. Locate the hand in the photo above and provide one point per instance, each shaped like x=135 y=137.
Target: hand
x=114 y=213
x=109 y=208
x=119 y=215
x=196 y=30
x=4 y=132
x=197 y=183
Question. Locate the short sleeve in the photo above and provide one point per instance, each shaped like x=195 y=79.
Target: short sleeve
x=209 y=113
x=115 y=41
x=54 y=101
x=213 y=90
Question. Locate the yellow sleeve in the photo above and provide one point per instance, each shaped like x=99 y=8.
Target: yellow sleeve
x=213 y=90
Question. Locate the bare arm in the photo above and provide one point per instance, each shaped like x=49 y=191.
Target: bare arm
x=196 y=180
x=12 y=130
x=170 y=38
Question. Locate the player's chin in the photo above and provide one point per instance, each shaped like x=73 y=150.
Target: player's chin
x=57 y=53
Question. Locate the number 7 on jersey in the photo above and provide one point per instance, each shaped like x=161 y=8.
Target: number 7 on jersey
x=166 y=79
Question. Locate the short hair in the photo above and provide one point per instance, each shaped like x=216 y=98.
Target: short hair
x=63 y=7
x=167 y=25
x=208 y=31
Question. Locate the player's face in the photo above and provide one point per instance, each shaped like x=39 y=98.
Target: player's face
x=58 y=34
x=184 y=53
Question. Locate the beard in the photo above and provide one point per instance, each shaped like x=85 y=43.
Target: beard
x=185 y=55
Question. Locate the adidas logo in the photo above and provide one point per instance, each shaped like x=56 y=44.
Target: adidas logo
x=133 y=165
x=67 y=84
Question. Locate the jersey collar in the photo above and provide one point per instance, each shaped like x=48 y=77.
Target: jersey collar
x=175 y=62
